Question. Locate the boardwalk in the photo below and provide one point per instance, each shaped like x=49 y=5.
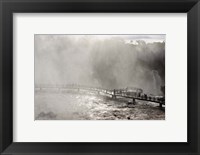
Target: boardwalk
x=114 y=93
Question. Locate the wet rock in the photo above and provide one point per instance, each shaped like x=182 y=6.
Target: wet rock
x=43 y=115
x=131 y=106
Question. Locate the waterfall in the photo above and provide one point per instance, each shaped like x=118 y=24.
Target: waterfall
x=157 y=83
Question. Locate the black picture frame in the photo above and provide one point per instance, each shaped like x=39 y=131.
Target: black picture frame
x=8 y=7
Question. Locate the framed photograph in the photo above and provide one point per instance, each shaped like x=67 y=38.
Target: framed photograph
x=99 y=77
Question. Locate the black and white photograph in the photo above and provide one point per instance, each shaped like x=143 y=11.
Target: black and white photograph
x=99 y=76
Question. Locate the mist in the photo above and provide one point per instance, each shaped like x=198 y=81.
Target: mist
x=108 y=61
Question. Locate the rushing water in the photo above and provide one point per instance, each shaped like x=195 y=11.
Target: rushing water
x=70 y=105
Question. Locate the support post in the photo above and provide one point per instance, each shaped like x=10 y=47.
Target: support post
x=114 y=96
x=133 y=100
